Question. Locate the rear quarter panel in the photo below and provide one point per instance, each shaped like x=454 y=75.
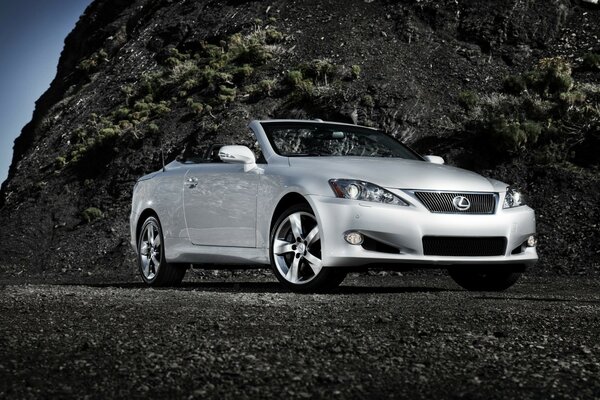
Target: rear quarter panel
x=163 y=194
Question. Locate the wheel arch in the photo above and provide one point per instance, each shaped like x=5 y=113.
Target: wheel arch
x=290 y=199
x=148 y=212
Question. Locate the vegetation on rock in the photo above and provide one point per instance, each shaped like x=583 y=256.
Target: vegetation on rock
x=542 y=111
x=91 y=214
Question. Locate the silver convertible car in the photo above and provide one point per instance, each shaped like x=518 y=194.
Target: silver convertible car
x=317 y=199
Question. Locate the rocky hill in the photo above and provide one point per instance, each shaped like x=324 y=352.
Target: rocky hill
x=506 y=87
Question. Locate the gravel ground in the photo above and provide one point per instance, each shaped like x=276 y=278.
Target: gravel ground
x=377 y=337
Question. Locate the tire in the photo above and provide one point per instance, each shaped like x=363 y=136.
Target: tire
x=478 y=278
x=152 y=265
x=295 y=253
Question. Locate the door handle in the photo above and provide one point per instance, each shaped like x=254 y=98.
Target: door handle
x=192 y=182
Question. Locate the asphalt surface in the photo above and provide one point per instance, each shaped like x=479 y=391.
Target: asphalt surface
x=377 y=337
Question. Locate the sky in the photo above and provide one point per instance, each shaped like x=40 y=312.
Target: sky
x=32 y=34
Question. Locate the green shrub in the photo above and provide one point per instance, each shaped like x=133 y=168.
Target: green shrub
x=207 y=75
x=266 y=86
x=531 y=130
x=551 y=76
x=545 y=112
x=294 y=77
x=255 y=54
x=88 y=65
x=78 y=135
x=153 y=128
x=591 y=62
x=121 y=113
x=511 y=135
x=223 y=77
x=161 y=108
x=196 y=108
x=175 y=58
x=468 y=99
x=127 y=90
x=367 y=101
x=184 y=71
x=355 y=72
x=273 y=36
x=226 y=94
x=214 y=52
x=320 y=69
x=60 y=162
x=152 y=82
x=189 y=84
x=140 y=115
x=535 y=108
x=141 y=106
x=305 y=89
x=506 y=134
x=91 y=214
x=572 y=98
x=108 y=133
x=514 y=84
x=261 y=89
x=243 y=72
x=91 y=64
x=172 y=62
x=125 y=125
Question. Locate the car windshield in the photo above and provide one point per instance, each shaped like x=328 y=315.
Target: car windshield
x=319 y=139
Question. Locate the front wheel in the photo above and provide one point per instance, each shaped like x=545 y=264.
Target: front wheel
x=296 y=252
x=480 y=278
x=153 y=266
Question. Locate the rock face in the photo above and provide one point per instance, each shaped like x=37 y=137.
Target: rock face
x=134 y=74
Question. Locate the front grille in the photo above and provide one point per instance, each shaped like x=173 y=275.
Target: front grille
x=464 y=246
x=442 y=202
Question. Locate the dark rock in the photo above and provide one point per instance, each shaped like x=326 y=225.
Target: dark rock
x=415 y=58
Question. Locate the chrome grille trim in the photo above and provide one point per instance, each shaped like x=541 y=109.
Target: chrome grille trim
x=441 y=202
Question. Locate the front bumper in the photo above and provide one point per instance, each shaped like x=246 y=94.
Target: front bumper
x=404 y=228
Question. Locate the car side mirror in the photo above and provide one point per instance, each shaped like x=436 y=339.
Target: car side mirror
x=434 y=159
x=238 y=155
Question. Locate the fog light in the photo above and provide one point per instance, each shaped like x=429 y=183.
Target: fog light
x=531 y=241
x=354 y=238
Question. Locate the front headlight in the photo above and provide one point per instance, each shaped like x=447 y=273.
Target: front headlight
x=365 y=191
x=513 y=198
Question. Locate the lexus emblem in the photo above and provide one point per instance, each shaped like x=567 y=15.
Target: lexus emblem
x=461 y=203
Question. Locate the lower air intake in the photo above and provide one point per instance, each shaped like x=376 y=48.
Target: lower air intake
x=464 y=246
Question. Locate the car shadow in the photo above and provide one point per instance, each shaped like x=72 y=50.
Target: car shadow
x=270 y=287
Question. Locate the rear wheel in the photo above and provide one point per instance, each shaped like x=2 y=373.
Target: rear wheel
x=296 y=252
x=153 y=267
x=479 y=278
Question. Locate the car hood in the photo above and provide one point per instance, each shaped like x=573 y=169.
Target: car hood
x=398 y=173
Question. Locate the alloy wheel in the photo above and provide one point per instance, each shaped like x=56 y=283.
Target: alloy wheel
x=297 y=248
x=150 y=250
